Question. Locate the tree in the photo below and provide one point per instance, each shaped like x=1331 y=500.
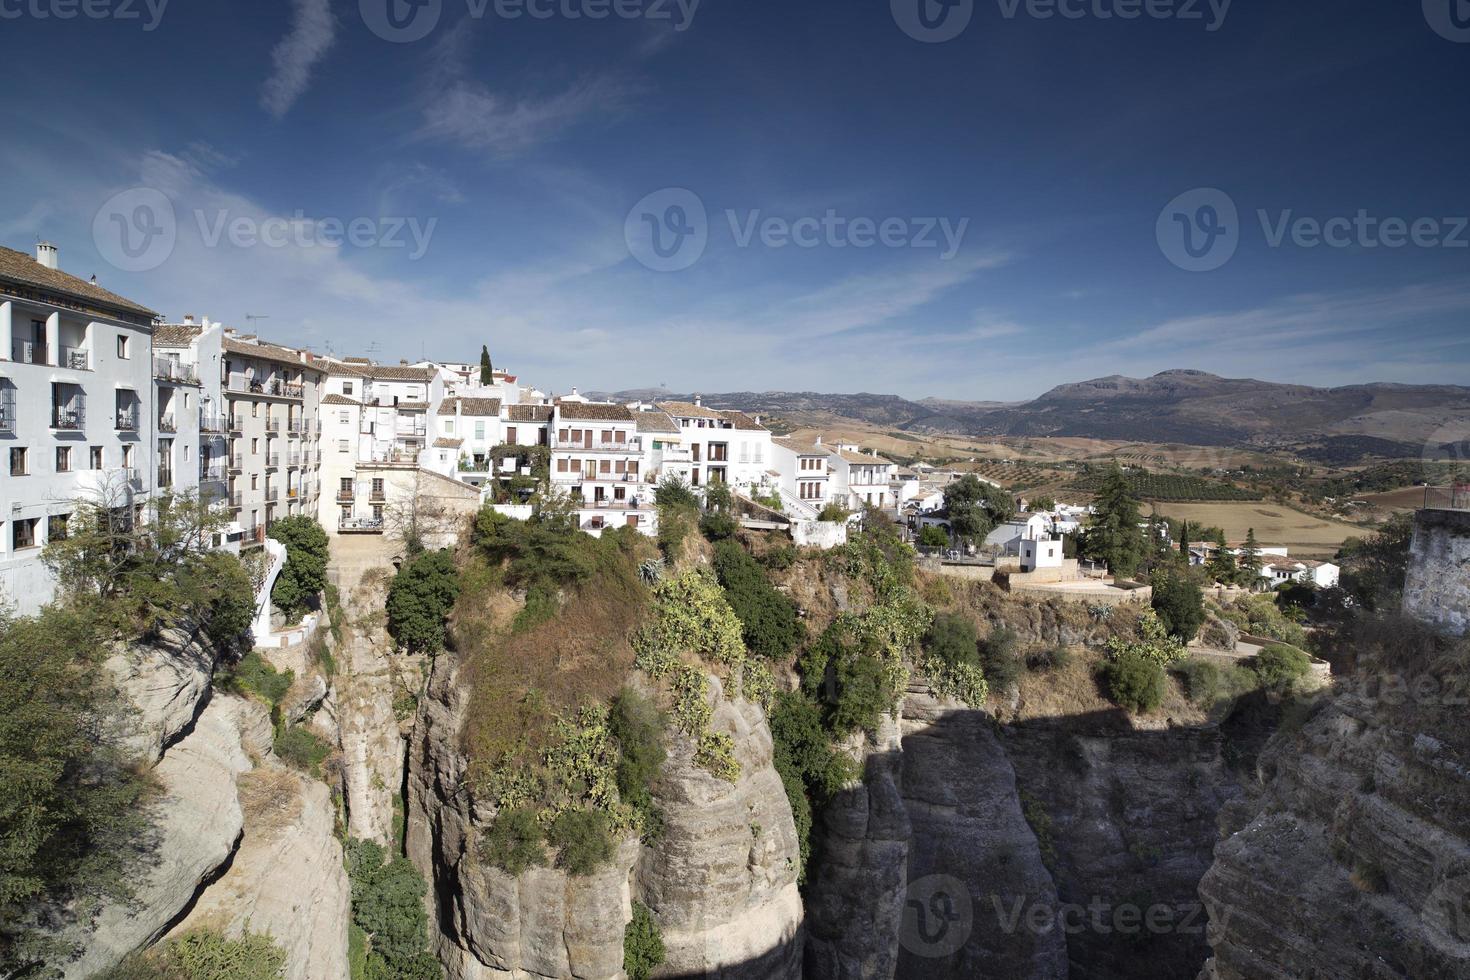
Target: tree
x=1250 y=561
x=1043 y=504
x=514 y=842
x=72 y=807
x=1222 y=567
x=1114 y=536
x=420 y=598
x=643 y=946
x=975 y=507
x=1184 y=529
x=1180 y=605
x=583 y=840
x=305 y=574
x=933 y=536
x=1280 y=666
x=388 y=905
x=1374 y=569
x=487 y=372
x=1134 y=682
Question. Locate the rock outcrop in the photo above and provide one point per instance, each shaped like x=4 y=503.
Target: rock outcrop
x=1353 y=860
x=286 y=878
x=167 y=684
x=721 y=882
x=198 y=821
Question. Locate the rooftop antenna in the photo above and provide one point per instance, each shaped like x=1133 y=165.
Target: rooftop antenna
x=252 y=317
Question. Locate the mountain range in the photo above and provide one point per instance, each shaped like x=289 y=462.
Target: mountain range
x=1177 y=406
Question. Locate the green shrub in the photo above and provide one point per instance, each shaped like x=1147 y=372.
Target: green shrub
x=811 y=770
x=834 y=512
x=643 y=946
x=999 y=660
x=513 y=842
x=1180 y=605
x=388 y=905
x=674 y=492
x=1152 y=643
x=583 y=840
x=769 y=621
x=204 y=955
x=1049 y=660
x=717 y=526
x=305 y=573
x=1134 y=682
x=1280 y=666
x=302 y=748
x=952 y=639
x=933 y=536
x=73 y=808
x=419 y=600
x=255 y=675
x=637 y=726
x=865 y=693
x=779 y=559
x=674 y=525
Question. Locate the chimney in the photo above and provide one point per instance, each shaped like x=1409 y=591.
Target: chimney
x=698 y=402
x=188 y=319
x=46 y=254
x=819 y=440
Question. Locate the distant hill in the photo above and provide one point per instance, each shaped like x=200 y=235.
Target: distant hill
x=1185 y=406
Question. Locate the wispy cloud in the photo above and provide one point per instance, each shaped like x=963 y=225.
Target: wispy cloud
x=470 y=114
x=313 y=29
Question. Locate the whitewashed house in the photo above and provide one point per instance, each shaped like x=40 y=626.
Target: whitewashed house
x=597 y=458
x=1023 y=527
x=861 y=479
x=804 y=478
x=77 y=406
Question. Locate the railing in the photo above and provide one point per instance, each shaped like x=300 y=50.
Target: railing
x=272 y=494
x=254 y=536
x=273 y=461
x=167 y=424
x=294 y=459
x=275 y=389
x=70 y=417
x=634 y=445
x=127 y=421
x=291 y=493
x=295 y=427
x=1456 y=497
x=27 y=352
x=378 y=495
x=237 y=463
x=211 y=473
x=273 y=425
x=76 y=358
x=211 y=423
x=360 y=525
x=165 y=477
x=237 y=423
x=168 y=369
x=397 y=458
x=7 y=418
x=237 y=499
x=345 y=496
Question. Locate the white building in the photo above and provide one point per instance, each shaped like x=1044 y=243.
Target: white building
x=597 y=458
x=1308 y=571
x=1023 y=527
x=861 y=479
x=804 y=478
x=724 y=447
x=77 y=404
x=465 y=430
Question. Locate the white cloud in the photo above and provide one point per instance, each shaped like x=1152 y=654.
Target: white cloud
x=313 y=29
x=470 y=114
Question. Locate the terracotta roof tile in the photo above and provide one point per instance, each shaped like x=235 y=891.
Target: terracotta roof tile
x=336 y=399
x=443 y=443
x=489 y=407
x=801 y=446
x=530 y=413
x=175 y=334
x=655 y=422
x=268 y=352
x=742 y=421
x=688 y=410
x=21 y=268
x=594 y=411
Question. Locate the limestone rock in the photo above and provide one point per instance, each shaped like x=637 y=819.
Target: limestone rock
x=287 y=878
x=199 y=821
x=167 y=683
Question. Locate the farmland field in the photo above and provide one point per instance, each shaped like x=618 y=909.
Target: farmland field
x=1305 y=535
x=1161 y=487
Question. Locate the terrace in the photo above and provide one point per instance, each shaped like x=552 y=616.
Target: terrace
x=1455 y=497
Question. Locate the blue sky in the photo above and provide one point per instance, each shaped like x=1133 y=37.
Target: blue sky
x=518 y=148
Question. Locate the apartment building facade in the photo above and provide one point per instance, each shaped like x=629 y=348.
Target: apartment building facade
x=861 y=479
x=77 y=397
x=597 y=458
x=805 y=479
x=272 y=398
x=724 y=446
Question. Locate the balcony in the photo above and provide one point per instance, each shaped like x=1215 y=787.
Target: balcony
x=273 y=461
x=272 y=494
x=237 y=499
x=76 y=358
x=345 y=496
x=237 y=424
x=395 y=458
x=211 y=472
x=293 y=460
x=211 y=424
x=27 y=352
x=69 y=418
x=360 y=525
x=168 y=370
x=127 y=420
x=269 y=388
x=295 y=427
x=165 y=477
x=634 y=445
x=378 y=495
x=272 y=425
x=167 y=424
x=7 y=413
x=237 y=463
x=254 y=537
x=292 y=493
x=1455 y=497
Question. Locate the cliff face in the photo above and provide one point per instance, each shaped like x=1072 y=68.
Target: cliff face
x=721 y=881
x=1352 y=859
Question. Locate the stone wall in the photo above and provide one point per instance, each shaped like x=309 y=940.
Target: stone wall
x=1437 y=587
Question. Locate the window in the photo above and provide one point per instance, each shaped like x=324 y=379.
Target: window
x=56 y=527
x=562 y=435
x=346 y=388
x=480 y=433
x=95 y=452
x=127 y=456
x=448 y=428
x=255 y=410
x=344 y=417
x=122 y=346
x=561 y=465
x=63 y=459
x=254 y=481
x=341 y=445
x=18 y=463
x=606 y=466
x=254 y=446
x=23 y=533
